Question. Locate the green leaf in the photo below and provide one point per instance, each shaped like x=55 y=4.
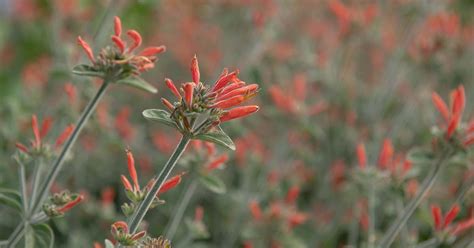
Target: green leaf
x=420 y=156
x=44 y=235
x=213 y=183
x=218 y=137
x=10 y=198
x=29 y=236
x=109 y=244
x=87 y=70
x=137 y=82
x=159 y=115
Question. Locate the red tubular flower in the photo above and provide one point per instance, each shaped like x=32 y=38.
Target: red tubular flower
x=87 y=49
x=45 y=126
x=451 y=116
x=361 y=155
x=170 y=183
x=255 y=210
x=462 y=226
x=231 y=87
x=386 y=154
x=132 y=170
x=217 y=162
x=440 y=105
x=117 y=26
x=36 y=132
x=242 y=91
x=195 y=70
x=224 y=80
x=64 y=136
x=173 y=88
x=71 y=204
x=137 y=39
x=119 y=43
x=228 y=103
x=436 y=215
x=167 y=104
x=238 y=112
x=22 y=147
x=188 y=93
x=449 y=217
x=152 y=51
x=126 y=183
x=292 y=194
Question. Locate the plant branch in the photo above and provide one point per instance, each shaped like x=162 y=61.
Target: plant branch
x=137 y=217
x=428 y=183
x=179 y=213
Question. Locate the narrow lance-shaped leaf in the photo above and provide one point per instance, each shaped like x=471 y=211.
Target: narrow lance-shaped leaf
x=10 y=198
x=217 y=136
x=87 y=70
x=138 y=83
x=159 y=115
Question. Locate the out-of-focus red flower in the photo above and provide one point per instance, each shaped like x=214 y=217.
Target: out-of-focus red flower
x=452 y=116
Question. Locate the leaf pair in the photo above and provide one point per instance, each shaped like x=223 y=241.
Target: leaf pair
x=134 y=81
x=217 y=136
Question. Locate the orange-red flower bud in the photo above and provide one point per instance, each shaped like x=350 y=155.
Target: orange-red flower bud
x=136 y=37
x=152 y=51
x=117 y=26
x=188 y=93
x=71 y=204
x=64 y=136
x=87 y=49
x=195 y=70
x=239 y=112
x=173 y=88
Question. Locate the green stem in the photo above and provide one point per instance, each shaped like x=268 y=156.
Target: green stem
x=401 y=220
x=35 y=184
x=178 y=215
x=53 y=173
x=142 y=209
x=16 y=236
x=24 y=196
x=371 y=231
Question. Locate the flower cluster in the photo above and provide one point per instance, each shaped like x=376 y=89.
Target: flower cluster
x=120 y=62
x=452 y=115
x=120 y=232
x=136 y=194
x=443 y=225
x=37 y=146
x=60 y=203
x=218 y=103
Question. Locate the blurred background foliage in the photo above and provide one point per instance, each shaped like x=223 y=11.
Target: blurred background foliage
x=332 y=74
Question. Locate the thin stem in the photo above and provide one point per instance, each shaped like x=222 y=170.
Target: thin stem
x=142 y=209
x=15 y=237
x=178 y=215
x=35 y=184
x=401 y=220
x=24 y=196
x=371 y=230
x=53 y=173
